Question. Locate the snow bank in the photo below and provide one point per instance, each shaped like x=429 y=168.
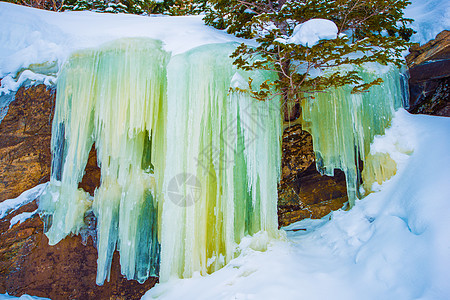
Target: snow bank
x=394 y=244
x=31 y=36
x=430 y=18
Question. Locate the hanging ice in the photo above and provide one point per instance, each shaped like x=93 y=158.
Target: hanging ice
x=230 y=143
x=113 y=97
x=222 y=151
x=343 y=126
x=189 y=167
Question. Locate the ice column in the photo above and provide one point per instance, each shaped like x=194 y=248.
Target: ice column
x=222 y=167
x=113 y=97
x=343 y=125
x=188 y=167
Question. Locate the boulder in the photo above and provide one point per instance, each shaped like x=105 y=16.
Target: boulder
x=302 y=191
x=437 y=49
x=429 y=70
x=25 y=135
x=28 y=265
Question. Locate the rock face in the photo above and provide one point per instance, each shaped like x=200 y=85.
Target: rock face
x=25 y=135
x=437 y=49
x=64 y=271
x=430 y=76
x=91 y=179
x=303 y=192
x=28 y=265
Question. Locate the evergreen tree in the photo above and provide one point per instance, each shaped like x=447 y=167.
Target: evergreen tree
x=368 y=31
x=168 y=7
x=186 y=7
x=121 y=6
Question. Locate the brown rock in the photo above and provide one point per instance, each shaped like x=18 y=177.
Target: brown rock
x=303 y=192
x=429 y=76
x=437 y=49
x=25 y=135
x=431 y=97
x=297 y=152
x=28 y=265
x=91 y=178
x=315 y=211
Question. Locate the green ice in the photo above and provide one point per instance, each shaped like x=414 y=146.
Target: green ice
x=153 y=117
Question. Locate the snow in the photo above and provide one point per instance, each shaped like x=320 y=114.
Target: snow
x=312 y=31
x=10 y=84
x=26 y=197
x=32 y=36
x=430 y=18
x=20 y=218
x=23 y=297
x=394 y=244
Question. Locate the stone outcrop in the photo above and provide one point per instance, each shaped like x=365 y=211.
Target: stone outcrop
x=303 y=192
x=437 y=49
x=28 y=265
x=297 y=152
x=91 y=178
x=25 y=135
x=429 y=69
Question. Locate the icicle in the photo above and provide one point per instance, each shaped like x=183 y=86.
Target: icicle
x=115 y=97
x=222 y=151
x=228 y=145
x=343 y=125
x=71 y=142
